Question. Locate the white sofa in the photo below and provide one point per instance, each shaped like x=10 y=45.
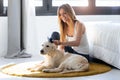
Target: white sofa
x=104 y=41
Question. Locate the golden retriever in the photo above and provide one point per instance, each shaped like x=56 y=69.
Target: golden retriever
x=58 y=61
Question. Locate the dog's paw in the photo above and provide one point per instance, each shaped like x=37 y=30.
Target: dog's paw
x=28 y=68
x=32 y=70
x=45 y=70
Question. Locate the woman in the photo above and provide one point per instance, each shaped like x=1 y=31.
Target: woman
x=72 y=32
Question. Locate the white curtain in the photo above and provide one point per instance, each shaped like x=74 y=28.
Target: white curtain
x=20 y=14
x=14 y=25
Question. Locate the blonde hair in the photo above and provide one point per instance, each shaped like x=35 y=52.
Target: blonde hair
x=69 y=11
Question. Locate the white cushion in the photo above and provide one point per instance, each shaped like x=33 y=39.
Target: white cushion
x=104 y=39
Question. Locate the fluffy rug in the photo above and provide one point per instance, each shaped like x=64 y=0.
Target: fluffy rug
x=21 y=70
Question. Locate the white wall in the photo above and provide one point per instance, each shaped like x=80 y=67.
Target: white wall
x=44 y=26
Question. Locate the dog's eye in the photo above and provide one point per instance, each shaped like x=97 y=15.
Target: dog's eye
x=47 y=46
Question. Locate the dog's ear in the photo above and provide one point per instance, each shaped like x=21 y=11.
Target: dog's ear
x=50 y=40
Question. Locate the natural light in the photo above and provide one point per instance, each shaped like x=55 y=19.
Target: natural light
x=38 y=3
x=71 y=2
x=83 y=3
x=107 y=3
x=5 y=3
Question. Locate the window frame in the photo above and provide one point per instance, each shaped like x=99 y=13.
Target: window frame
x=48 y=9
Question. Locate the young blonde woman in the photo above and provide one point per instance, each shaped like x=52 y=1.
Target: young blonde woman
x=72 y=36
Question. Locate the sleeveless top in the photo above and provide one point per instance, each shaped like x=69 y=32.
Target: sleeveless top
x=83 y=46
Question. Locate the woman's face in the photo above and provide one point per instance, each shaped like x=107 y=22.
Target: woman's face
x=63 y=15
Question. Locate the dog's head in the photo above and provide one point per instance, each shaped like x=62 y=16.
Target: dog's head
x=48 y=48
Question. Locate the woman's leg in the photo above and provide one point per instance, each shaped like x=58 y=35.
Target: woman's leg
x=70 y=50
x=55 y=36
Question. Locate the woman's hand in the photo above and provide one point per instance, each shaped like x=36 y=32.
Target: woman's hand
x=56 y=42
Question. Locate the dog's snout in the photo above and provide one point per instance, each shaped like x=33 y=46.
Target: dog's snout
x=42 y=51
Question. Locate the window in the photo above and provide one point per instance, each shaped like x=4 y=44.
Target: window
x=3 y=7
x=5 y=3
x=107 y=3
x=49 y=7
x=38 y=3
x=71 y=2
x=81 y=7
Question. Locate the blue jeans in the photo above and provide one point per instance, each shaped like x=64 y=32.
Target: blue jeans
x=56 y=36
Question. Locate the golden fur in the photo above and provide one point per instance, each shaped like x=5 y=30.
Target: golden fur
x=58 y=61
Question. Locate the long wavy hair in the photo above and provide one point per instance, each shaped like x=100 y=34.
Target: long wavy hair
x=63 y=26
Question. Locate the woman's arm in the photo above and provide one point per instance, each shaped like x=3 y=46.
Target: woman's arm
x=80 y=29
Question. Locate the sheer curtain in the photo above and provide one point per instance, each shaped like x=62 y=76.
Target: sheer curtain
x=20 y=14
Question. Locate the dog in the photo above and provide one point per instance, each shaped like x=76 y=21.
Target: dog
x=59 y=61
